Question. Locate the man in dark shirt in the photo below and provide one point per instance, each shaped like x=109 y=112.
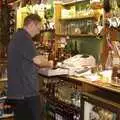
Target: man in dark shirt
x=23 y=84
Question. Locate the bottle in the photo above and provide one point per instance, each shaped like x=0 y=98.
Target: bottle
x=116 y=74
x=108 y=64
x=1 y=108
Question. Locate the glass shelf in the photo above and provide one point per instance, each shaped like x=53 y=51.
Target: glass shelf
x=75 y=35
x=78 y=18
x=74 y=2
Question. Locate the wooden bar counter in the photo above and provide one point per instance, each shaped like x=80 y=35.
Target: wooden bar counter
x=99 y=84
x=99 y=93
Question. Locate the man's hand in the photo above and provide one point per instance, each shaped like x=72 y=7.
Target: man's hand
x=51 y=63
x=37 y=60
x=42 y=61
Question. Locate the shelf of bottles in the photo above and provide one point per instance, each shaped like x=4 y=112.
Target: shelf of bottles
x=68 y=93
x=3 y=71
x=8 y=22
x=63 y=99
x=76 y=27
x=79 y=18
x=6 y=110
x=44 y=42
x=60 y=90
x=112 y=24
x=12 y=21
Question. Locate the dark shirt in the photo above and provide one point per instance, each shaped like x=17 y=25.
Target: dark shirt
x=22 y=72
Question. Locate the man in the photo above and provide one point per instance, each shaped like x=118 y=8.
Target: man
x=23 y=84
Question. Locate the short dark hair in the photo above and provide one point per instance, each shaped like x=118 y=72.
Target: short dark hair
x=31 y=17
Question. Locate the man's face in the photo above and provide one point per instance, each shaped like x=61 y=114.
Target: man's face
x=35 y=28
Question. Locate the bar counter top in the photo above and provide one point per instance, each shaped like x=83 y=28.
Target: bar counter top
x=78 y=80
x=100 y=84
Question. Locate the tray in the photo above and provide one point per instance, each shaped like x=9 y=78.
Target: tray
x=53 y=72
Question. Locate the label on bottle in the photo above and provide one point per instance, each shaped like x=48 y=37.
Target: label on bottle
x=116 y=61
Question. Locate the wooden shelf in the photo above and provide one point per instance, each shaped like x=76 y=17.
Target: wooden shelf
x=105 y=98
x=76 y=35
x=74 y=2
x=3 y=60
x=117 y=29
x=3 y=79
x=61 y=104
x=3 y=98
x=97 y=5
x=6 y=116
x=77 y=18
